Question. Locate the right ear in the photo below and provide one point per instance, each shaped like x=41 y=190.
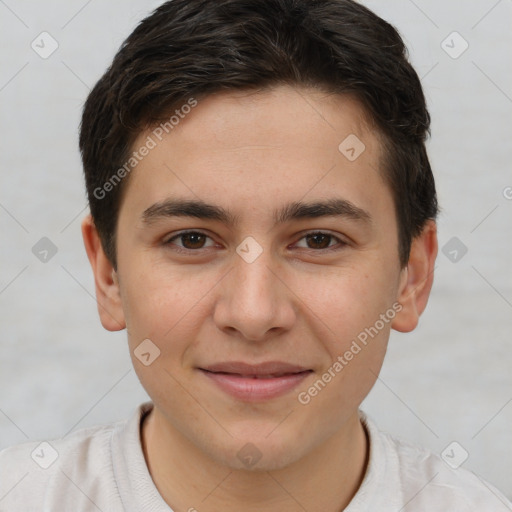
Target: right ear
x=108 y=296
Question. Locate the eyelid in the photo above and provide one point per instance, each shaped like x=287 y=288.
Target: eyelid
x=342 y=241
x=306 y=232
x=167 y=241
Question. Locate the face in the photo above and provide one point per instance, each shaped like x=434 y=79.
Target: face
x=261 y=260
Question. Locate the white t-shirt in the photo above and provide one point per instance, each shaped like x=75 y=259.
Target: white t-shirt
x=103 y=469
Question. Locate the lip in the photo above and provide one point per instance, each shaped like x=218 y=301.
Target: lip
x=255 y=383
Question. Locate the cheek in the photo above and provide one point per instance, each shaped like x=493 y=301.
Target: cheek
x=356 y=351
x=153 y=294
x=348 y=307
x=166 y=306
x=164 y=310
x=345 y=300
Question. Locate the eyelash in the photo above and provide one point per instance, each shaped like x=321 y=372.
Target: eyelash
x=341 y=243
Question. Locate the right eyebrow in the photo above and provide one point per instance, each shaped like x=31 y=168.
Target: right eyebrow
x=187 y=208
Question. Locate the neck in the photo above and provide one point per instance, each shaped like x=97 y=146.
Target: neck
x=188 y=479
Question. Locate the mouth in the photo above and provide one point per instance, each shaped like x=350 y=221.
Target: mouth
x=256 y=383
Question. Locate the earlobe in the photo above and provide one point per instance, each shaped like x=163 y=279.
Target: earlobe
x=417 y=279
x=108 y=296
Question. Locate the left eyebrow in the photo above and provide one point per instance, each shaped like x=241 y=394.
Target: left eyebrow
x=331 y=207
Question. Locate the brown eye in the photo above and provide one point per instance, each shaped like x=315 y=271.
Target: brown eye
x=193 y=240
x=318 y=240
x=190 y=240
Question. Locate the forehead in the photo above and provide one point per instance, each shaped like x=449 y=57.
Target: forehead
x=279 y=144
x=282 y=115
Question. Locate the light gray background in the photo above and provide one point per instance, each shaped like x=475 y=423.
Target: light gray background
x=450 y=380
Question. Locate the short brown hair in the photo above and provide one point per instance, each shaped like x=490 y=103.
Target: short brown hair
x=192 y=48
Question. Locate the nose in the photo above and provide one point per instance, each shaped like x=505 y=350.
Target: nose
x=255 y=302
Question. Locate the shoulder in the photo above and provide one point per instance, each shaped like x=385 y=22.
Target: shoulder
x=428 y=482
x=36 y=471
x=432 y=480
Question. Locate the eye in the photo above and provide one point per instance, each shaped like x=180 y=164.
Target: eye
x=190 y=240
x=320 y=240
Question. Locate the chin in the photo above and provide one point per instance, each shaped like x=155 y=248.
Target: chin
x=261 y=454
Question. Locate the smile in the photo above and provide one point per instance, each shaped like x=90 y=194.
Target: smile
x=255 y=383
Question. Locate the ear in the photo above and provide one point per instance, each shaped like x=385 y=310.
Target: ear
x=416 y=279
x=108 y=296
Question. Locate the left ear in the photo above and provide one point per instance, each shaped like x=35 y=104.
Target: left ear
x=416 y=279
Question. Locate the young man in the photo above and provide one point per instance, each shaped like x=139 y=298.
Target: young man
x=262 y=215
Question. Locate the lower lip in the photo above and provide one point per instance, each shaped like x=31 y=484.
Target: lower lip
x=255 y=390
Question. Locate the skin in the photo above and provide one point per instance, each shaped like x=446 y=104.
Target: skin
x=298 y=302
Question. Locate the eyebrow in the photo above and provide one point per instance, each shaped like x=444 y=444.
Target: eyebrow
x=187 y=208
x=331 y=207
x=292 y=211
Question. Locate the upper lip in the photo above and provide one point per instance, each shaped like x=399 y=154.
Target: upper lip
x=261 y=369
